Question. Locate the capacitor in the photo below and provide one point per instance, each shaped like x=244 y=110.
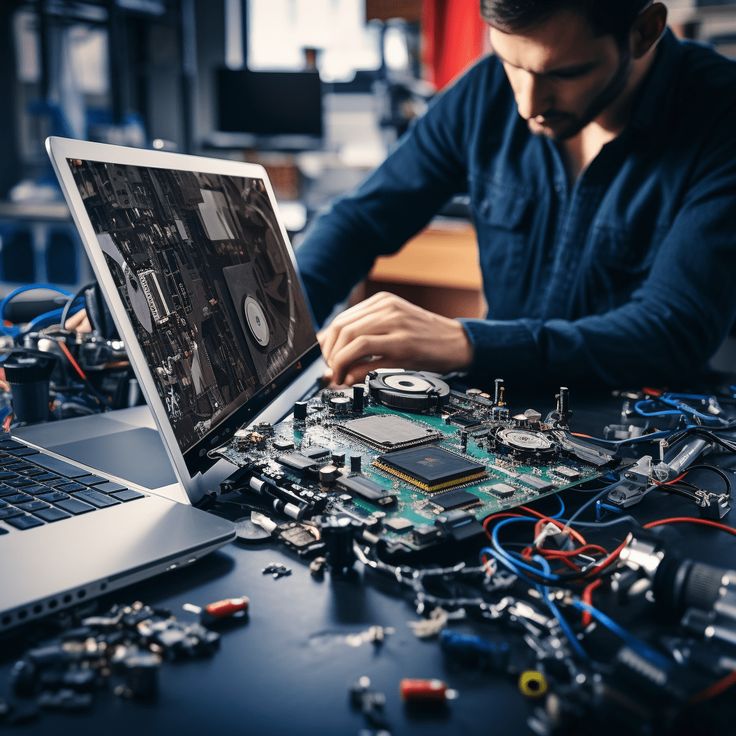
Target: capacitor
x=355 y=463
x=328 y=473
x=563 y=404
x=338 y=459
x=300 y=411
x=464 y=441
x=499 y=392
x=338 y=534
x=340 y=404
x=425 y=692
x=358 y=398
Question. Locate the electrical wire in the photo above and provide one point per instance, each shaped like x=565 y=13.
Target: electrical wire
x=66 y=312
x=634 y=643
x=13 y=330
x=691 y=520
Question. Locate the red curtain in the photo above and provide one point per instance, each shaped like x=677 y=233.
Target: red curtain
x=453 y=35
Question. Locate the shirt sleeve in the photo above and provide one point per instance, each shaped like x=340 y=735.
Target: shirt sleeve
x=427 y=167
x=672 y=324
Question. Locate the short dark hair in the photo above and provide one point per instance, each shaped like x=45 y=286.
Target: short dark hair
x=606 y=17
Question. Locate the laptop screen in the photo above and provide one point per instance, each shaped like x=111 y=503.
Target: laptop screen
x=208 y=283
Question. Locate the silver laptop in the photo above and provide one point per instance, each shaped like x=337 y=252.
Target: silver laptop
x=197 y=270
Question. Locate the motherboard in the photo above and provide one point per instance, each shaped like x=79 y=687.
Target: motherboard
x=409 y=460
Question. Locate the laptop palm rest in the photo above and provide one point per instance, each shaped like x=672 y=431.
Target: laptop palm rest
x=111 y=443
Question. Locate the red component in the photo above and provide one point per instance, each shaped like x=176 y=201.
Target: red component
x=413 y=691
x=227 y=607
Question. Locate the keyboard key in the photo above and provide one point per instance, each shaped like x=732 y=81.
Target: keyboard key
x=7 y=475
x=52 y=496
x=18 y=498
x=35 y=490
x=33 y=472
x=24 y=522
x=9 y=511
x=70 y=487
x=58 y=482
x=96 y=499
x=9 y=444
x=51 y=514
x=18 y=482
x=91 y=480
x=19 y=467
x=59 y=466
x=10 y=460
x=73 y=506
x=7 y=491
x=110 y=487
x=127 y=495
x=24 y=452
x=33 y=506
x=48 y=477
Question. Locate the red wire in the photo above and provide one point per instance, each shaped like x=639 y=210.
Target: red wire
x=690 y=520
x=716 y=688
x=587 y=597
x=70 y=358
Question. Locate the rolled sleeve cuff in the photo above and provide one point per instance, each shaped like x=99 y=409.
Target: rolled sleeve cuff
x=504 y=349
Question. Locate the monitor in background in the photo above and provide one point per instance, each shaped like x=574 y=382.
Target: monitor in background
x=277 y=110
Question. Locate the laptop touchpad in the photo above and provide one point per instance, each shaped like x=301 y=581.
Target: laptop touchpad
x=138 y=455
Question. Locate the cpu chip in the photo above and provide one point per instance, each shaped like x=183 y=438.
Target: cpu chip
x=431 y=469
x=389 y=432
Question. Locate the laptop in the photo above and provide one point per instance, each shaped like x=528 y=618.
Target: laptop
x=196 y=267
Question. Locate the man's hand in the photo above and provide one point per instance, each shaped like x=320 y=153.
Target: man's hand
x=78 y=322
x=386 y=331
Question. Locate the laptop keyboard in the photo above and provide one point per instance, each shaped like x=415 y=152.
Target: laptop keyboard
x=38 y=489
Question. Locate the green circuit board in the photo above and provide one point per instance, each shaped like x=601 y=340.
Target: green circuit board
x=325 y=430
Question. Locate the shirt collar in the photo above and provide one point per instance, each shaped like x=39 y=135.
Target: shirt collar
x=656 y=95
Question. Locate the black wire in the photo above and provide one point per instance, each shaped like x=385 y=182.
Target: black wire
x=716 y=470
x=70 y=302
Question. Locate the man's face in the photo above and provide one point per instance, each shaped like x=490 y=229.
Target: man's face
x=562 y=74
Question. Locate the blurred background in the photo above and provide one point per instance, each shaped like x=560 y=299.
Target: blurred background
x=316 y=90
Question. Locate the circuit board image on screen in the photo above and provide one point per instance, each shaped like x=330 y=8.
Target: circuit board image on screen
x=207 y=280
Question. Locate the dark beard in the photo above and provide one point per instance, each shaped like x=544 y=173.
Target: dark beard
x=606 y=97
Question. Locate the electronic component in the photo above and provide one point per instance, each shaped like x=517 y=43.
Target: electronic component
x=425 y=692
x=463 y=420
x=316 y=453
x=389 y=432
x=430 y=468
x=297 y=461
x=502 y=490
x=524 y=444
x=213 y=613
x=539 y=483
x=300 y=411
x=408 y=390
x=366 y=489
x=398 y=524
x=282 y=445
x=567 y=473
x=457 y=499
x=355 y=463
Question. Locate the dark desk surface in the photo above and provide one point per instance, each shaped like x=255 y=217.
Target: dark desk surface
x=288 y=669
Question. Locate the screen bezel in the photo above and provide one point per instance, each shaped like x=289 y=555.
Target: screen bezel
x=195 y=460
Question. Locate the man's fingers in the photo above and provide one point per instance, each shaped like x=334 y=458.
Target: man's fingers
x=78 y=322
x=369 y=306
x=361 y=350
x=374 y=323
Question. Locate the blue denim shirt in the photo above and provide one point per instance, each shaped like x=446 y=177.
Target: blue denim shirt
x=625 y=276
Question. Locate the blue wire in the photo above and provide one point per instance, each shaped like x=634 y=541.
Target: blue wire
x=566 y=630
x=628 y=638
x=515 y=559
x=15 y=331
x=51 y=317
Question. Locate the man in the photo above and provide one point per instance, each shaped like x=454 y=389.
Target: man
x=600 y=157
